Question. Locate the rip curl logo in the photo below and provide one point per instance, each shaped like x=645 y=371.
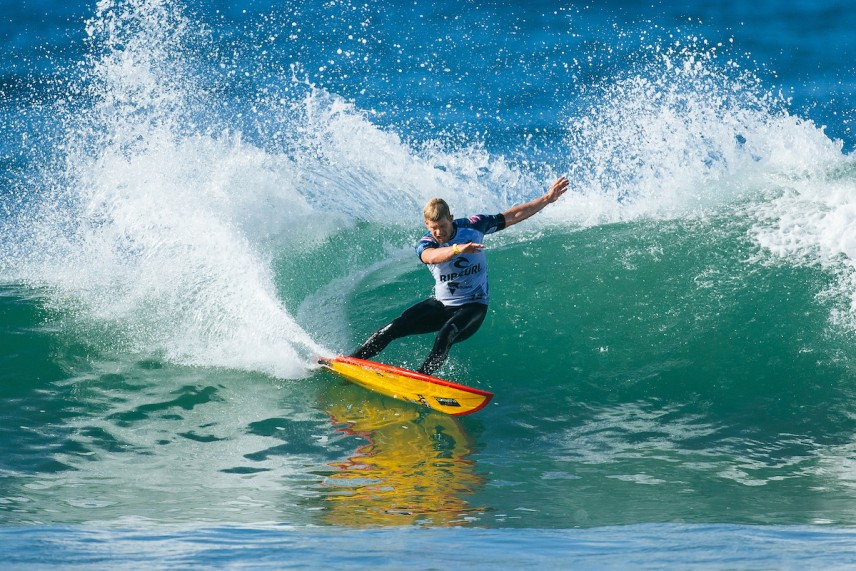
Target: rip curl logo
x=463 y=264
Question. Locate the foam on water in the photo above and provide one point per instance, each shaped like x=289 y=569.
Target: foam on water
x=812 y=220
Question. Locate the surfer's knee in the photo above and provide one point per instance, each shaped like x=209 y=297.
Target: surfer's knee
x=448 y=335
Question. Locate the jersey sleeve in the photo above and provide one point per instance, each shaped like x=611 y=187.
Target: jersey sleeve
x=487 y=223
x=427 y=241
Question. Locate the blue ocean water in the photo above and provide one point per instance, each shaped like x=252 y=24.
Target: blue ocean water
x=198 y=197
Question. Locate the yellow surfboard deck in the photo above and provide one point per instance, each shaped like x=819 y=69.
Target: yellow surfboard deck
x=402 y=384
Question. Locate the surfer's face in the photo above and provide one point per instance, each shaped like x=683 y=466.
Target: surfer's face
x=441 y=229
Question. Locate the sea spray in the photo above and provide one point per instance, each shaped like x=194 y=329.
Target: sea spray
x=683 y=128
x=143 y=226
x=155 y=221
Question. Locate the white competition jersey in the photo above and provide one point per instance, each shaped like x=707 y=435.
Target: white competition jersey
x=463 y=279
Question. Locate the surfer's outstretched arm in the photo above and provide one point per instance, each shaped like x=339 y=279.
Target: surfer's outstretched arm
x=523 y=211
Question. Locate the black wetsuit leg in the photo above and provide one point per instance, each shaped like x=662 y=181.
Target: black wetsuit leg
x=453 y=323
x=424 y=317
x=463 y=321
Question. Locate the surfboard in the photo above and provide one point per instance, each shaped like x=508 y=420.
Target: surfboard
x=403 y=384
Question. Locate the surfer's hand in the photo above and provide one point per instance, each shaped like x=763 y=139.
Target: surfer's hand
x=558 y=189
x=470 y=248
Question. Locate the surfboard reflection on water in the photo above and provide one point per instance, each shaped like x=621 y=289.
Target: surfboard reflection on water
x=414 y=467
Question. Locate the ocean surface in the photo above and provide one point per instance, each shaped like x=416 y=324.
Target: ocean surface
x=197 y=197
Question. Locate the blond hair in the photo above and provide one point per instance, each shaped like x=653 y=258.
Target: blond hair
x=436 y=210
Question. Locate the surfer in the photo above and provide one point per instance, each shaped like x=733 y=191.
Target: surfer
x=453 y=251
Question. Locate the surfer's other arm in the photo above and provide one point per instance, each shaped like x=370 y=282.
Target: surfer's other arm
x=440 y=255
x=523 y=211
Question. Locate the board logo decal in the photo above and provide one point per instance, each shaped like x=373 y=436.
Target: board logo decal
x=447 y=401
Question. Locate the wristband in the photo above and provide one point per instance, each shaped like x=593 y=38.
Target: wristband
x=455 y=249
